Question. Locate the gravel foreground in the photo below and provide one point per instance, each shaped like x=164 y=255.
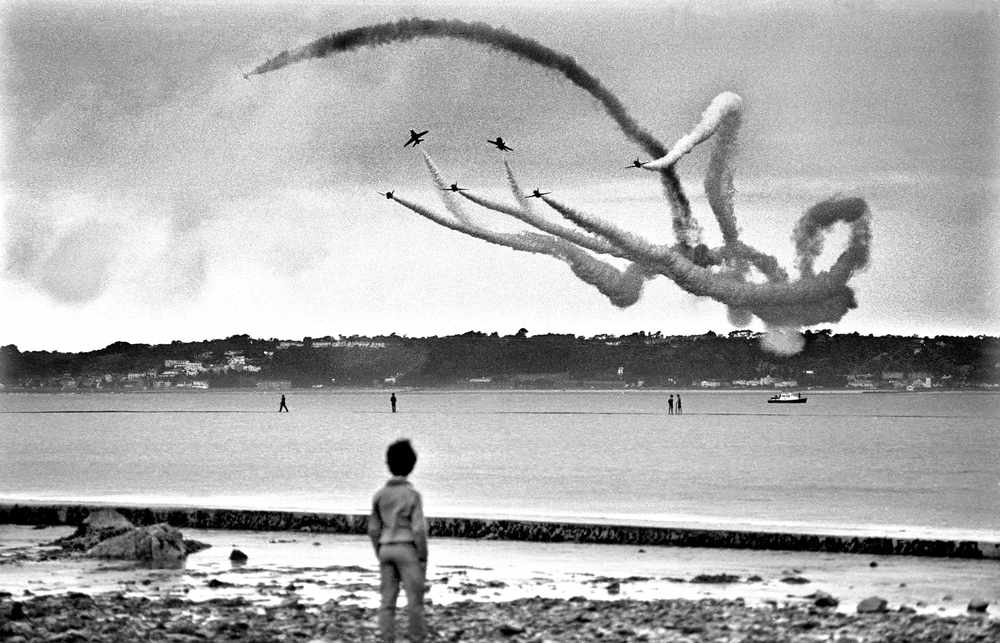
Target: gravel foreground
x=117 y=617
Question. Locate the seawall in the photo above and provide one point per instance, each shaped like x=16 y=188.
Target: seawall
x=523 y=530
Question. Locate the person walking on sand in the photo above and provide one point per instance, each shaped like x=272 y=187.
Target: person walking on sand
x=670 y=405
x=679 y=410
x=392 y=402
x=398 y=531
x=282 y=406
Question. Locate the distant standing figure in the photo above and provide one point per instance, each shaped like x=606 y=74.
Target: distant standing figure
x=679 y=410
x=670 y=405
x=398 y=531
x=282 y=406
x=392 y=402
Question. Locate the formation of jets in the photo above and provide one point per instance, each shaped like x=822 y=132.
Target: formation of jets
x=500 y=145
x=416 y=138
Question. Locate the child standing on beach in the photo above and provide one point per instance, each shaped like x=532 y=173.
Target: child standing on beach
x=399 y=534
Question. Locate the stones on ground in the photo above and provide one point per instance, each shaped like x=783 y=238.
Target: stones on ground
x=117 y=617
x=978 y=605
x=158 y=544
x=873 y=564
x=511 y=628
x=614 y=588
x=823 y=599
x=194 y=546
x=237 y=556
x=13 y=611
x=795 y=580
x=716 y=578
x=873 y=605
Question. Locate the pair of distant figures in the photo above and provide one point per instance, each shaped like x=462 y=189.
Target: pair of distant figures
x=392 y=403
x=674 y=408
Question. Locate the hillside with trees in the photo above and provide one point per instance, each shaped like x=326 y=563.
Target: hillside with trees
x=477 y=359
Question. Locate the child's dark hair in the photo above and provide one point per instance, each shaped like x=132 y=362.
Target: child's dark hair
x=401 y=457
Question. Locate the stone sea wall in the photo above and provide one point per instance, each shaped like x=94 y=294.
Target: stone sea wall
x=523 y=530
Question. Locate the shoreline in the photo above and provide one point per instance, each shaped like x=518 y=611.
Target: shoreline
x=320 y=586
x=48 y=514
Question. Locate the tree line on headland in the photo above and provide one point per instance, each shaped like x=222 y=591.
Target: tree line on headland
x=477 y=359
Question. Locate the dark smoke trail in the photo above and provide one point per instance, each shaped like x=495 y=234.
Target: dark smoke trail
x=524 y=48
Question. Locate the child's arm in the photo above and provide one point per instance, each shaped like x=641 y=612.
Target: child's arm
x=419 y=527
x=375 y=524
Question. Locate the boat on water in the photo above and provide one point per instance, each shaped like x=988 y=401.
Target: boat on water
x=786 y=397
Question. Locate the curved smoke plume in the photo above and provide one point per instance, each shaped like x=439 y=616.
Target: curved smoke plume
x=721 y=273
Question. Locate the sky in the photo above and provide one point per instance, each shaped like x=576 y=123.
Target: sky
x=151 y=193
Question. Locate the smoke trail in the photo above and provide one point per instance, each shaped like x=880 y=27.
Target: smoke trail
x=782 y=341
x=822 y=216
x=447 y=196
x=525 y=48
x=818 y=295
x=720 y=273
x=724 y=107
x=622 y=288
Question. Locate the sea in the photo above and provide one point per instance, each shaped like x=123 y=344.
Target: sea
x=920 y=464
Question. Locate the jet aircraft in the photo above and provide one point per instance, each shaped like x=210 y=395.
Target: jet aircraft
x=501 y=145
x=535 y=194
x=635 y=163
x=416 y=138
x=454 y=188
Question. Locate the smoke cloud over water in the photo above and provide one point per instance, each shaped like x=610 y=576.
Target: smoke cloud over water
x=721 y=273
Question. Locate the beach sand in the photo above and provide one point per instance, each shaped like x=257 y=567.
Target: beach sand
x=306 y=586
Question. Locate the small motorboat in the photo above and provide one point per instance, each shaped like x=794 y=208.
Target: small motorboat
x=786 y=397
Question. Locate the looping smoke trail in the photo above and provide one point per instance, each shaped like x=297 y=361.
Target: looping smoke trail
x=720 y=273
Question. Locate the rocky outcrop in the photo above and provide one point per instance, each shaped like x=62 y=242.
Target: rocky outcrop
x=99 y=525
x=106 y=533
x=160 y=545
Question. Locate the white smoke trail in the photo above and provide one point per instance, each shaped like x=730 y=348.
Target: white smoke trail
x=447 y=195
x=622 y=288
x=725 y=106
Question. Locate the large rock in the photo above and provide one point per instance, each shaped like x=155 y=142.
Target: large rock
x=97 y=526
x=978 y=605
x=873 y=605
x=158 y=544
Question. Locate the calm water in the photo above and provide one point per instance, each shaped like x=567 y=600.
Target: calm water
x=911 y=463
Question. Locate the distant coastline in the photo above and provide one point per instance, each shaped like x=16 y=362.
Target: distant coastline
x=478 y=361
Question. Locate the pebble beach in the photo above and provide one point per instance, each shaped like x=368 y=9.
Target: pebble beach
x=301 y=586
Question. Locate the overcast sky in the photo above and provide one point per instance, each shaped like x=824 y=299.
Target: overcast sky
x=151 y=193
